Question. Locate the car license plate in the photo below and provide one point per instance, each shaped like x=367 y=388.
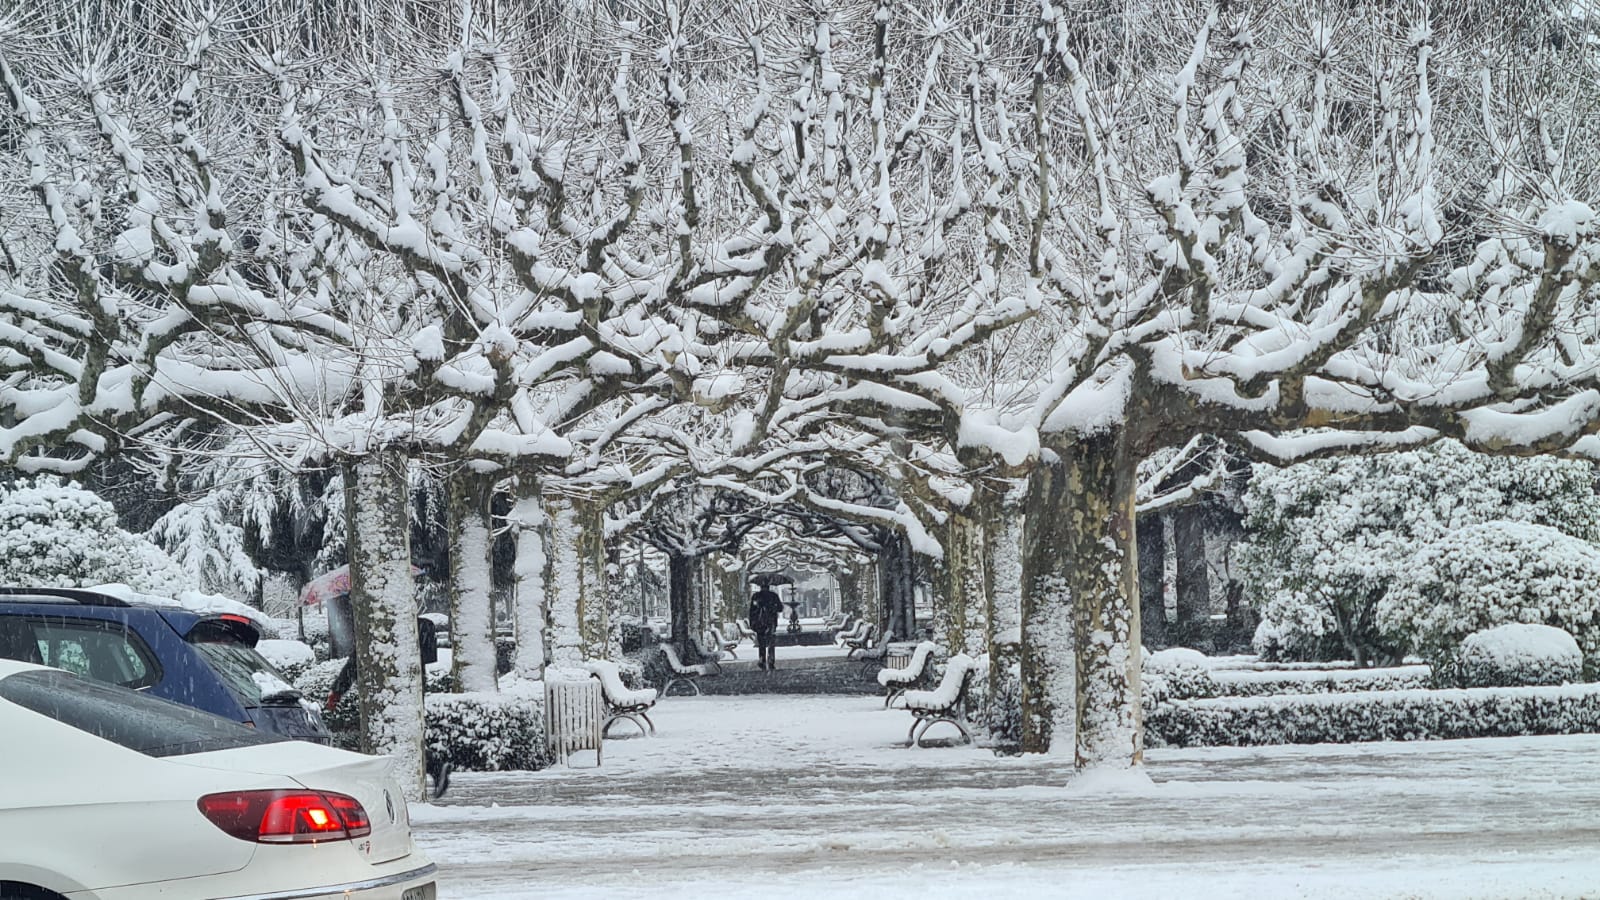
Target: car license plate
x=420 y=892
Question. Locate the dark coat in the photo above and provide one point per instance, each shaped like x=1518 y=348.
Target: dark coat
x=765 y=608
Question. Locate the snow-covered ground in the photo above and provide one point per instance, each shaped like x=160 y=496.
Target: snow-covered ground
x=812 y=796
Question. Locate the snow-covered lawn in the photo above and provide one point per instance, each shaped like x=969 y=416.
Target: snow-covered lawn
x=813 y=796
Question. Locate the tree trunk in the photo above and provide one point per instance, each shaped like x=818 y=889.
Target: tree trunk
x=579 y=613
x=472 y=659
x=871 y=584
x=730 y=584
x=966 y=598
x=1048 y=686
x=388 y=662
x=1193 y=580
x=898 y=589
x=850 y=589
x=680 y=594
x=1003 y=525
x=1152 y=592
x=1098 y=505
x=531 y=570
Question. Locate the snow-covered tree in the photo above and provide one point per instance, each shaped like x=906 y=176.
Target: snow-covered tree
x=56 y=534
x=1329 y=539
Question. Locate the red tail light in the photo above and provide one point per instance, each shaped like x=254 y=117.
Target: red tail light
x=286 y=817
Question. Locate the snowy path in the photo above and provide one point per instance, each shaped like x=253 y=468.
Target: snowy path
x=812 y=796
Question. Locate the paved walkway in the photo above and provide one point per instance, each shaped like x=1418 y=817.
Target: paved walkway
x=813 y=796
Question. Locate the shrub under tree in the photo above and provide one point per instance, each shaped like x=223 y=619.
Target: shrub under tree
x=1327 y=540
x=1493 y=574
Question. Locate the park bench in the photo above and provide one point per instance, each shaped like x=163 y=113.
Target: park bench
x=683 y=673
x=621 y=701
x=850 y=631
x=945 y=703
x=574 y=718
x=897 y=682
x=719 y=638
x=865 y=640
x=745 y=631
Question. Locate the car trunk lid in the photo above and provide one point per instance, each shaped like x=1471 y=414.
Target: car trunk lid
x=366 y=778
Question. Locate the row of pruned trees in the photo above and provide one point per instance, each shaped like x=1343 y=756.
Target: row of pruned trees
x=689 y=264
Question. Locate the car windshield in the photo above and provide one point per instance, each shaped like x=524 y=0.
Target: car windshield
x=135 y=720
x=247 y=673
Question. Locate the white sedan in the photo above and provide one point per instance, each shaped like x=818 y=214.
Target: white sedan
x=108 y=794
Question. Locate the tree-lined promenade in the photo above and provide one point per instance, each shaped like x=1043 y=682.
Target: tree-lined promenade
x=951 y=292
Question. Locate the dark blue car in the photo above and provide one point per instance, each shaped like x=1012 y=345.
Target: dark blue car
x=207 y=661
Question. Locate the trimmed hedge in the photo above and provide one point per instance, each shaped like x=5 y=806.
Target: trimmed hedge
x=477 y=732
x=487 y=732
x=1338 y=681
x=1341 y=718
x=1518 y=655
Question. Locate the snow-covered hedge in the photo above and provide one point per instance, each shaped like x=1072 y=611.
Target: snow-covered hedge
x=1177 y=673
x=1325 y=681
x=488 y=732
x=1493 y=574
x=478 y=732
x=1518 y=655
x=291 y=658
x=1375 y=716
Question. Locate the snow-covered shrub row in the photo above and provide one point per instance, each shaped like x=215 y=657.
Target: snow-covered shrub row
x=1493 y=574
x=56 y=534
x=488 y=732
x=1313 y=681
x=291 y=658
x=1177 y=674
x=1375 y=716
x=479 y=732
x=1518 y=655
x=1327 y=539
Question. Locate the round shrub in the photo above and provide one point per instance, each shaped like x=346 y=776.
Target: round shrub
x=1518 y=656
x=1177 y=674
x=1497 y=573
x=1328 y=539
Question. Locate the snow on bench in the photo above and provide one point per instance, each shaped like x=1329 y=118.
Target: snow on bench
x=945 y=703
x=683 y=673
x=896 y=682
x=622 y=702
x=724 y=639
x=854 y=632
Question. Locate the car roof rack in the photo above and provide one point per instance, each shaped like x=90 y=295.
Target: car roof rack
x=59 y=595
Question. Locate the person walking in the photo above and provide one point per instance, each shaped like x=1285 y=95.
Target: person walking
x=765 y=608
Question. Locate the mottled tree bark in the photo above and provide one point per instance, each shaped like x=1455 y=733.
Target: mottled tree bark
x=968 y=574
x=579 y=605
x=531 y=569
x=389 y=666
x=1152 y=589
x=1047 y=683
x=1097 y=504
x=471 y=610
x=1003 y=524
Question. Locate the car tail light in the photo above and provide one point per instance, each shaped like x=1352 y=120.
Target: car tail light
x=286 y=817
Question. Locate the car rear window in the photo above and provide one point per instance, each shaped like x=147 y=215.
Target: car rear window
x=247 y=673
x=150 y=725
